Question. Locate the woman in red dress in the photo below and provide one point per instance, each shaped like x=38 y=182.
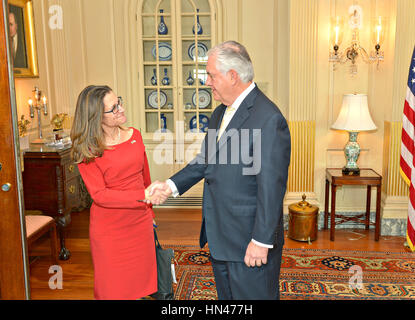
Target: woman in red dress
x=113 y=164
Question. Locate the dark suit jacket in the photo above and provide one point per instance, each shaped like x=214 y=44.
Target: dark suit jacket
x=19 y=57
x=239 y=205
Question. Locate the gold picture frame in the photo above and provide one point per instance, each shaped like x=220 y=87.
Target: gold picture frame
x=22 y=39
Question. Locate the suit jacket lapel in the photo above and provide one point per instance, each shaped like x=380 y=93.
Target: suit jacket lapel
x=214 y=125
x=238 y=119
x=240 y=116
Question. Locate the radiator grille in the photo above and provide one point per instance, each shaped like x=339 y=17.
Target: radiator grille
x=183 y=202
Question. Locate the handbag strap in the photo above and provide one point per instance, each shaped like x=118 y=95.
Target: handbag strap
x=156 y=239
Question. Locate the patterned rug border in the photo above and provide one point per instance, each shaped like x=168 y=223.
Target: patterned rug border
x=404 y=253
x=310 y=274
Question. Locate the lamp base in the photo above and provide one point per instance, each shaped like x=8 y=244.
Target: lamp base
x=351 y=152
x=351 y=171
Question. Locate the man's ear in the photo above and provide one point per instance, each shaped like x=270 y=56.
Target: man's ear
x=234 y=76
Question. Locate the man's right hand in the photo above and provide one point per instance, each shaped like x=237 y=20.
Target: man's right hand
x=158 y=192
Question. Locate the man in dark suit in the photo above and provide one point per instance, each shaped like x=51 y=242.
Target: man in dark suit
x=244 y=161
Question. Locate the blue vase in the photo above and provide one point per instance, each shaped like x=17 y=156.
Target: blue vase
x=162 y=27
x=198 y=25
x=190 y=79
x=165 y=81
x=163 y=122
x=154 y=78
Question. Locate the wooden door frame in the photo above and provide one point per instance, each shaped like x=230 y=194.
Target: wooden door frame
x=14 y=268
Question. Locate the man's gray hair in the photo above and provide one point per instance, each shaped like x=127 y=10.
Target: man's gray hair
x=231 y=55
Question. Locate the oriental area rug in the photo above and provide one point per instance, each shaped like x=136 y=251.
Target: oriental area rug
x=311 y=274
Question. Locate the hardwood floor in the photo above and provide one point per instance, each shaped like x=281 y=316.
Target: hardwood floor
x=175 y=227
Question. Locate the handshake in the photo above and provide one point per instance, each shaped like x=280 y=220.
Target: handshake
x=157 y=193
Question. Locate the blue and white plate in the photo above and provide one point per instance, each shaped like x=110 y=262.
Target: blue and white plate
x=202 y=51
x=153 y=99
x=203 y=123
x=165 y=51
x=204 y=98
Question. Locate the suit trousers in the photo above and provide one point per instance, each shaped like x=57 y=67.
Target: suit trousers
x=237 y=281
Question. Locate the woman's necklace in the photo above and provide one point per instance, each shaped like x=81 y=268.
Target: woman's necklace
x=118 y=138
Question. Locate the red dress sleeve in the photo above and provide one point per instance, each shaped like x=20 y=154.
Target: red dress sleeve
x=146 y=172
x=147 y=179
x=109 y=198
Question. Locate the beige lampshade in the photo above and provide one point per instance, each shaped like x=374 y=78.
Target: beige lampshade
x=354 y=114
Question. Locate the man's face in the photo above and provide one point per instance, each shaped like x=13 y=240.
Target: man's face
x=12 y=25
x=220 y=84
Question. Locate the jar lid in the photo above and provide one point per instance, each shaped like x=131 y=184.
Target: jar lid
x=303 y=206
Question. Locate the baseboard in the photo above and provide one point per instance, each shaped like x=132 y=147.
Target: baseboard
x=388 y=227
x=394 y=207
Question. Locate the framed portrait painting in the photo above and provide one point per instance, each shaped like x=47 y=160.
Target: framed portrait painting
x=22 y=39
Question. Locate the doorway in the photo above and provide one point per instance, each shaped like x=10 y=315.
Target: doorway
x=14 y=272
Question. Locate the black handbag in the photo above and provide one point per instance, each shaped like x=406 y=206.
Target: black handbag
x=164 y=259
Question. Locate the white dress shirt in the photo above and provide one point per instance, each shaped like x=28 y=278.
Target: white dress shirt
x=227 y=117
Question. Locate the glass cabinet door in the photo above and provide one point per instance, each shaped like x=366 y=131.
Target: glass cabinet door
x=158 y=48
x=175 y=36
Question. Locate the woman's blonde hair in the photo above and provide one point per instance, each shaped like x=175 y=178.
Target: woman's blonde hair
x=86 y=134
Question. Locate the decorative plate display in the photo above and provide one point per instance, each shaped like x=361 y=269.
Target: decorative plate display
x=204 y=98
x=153 y=100
x=202 y=50
x=165 y=51
x=203 y=123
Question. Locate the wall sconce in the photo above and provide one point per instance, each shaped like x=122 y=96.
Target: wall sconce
x=354 y=117
x=351 y=53
x=39 y=103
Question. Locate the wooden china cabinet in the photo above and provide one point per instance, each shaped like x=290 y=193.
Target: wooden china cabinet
x=173 y=39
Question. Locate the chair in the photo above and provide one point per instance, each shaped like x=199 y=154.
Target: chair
x=37 y=226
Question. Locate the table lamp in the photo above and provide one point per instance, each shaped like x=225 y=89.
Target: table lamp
x=354 y=117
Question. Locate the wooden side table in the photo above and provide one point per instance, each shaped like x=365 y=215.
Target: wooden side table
x=52 y=184
x=367 y=177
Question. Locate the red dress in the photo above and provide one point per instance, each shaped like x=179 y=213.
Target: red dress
x=121 y=228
